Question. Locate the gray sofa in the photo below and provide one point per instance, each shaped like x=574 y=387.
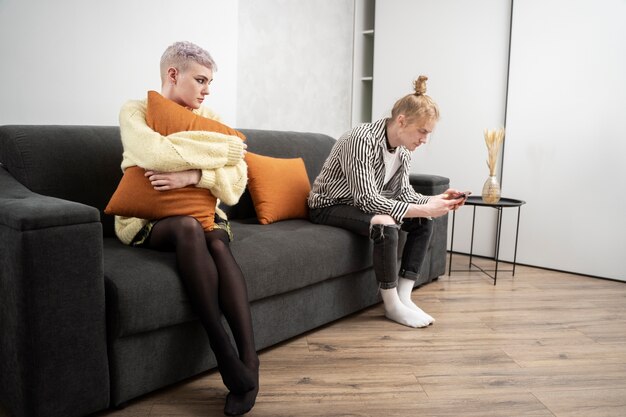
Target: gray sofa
x=88 y=323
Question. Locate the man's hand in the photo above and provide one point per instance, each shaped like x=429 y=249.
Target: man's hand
x=441 y=204
x=437 y=206
x=163 y=181
x=458 y=196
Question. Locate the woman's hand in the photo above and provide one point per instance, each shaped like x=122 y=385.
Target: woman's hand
x=245 y=150
x=163 y=181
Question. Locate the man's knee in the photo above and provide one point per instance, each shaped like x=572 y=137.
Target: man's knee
x=385 y=232
x=383 y=219
x=418 y=224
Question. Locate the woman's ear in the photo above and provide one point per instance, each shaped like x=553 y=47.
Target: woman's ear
x=172 y=75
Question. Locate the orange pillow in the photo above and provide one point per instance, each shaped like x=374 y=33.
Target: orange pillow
x=166 y=117
x=279 y=187
x=135 y=197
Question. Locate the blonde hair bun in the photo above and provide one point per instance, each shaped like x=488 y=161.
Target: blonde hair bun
x=416 y=105
x=419 y=85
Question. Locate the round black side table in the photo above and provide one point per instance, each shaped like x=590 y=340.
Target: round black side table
x=476 y=201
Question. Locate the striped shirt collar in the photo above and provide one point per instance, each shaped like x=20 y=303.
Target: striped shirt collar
x=379 y=131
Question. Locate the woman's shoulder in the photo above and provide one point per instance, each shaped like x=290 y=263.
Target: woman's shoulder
x=132 y=108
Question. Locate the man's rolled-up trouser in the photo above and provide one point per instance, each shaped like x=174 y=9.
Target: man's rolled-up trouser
x=385 y=238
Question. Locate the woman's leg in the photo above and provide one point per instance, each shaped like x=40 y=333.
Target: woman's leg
x=233 y=295
x=200 y=278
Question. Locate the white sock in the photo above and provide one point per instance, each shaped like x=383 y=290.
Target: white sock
x=398 y=312
x=405 y=287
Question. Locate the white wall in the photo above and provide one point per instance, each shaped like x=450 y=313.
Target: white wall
x=566 y=135
x=77 y=61
x=463 y=48
x=566 y=138
x=295 y=65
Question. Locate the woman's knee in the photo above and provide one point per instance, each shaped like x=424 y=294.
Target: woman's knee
x=187 y=228
x=217 y=240
x=171 y=232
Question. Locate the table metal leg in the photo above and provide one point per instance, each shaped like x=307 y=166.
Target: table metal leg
x=516 y=237
x=451 y=244
x=472 y=241
x=497 y=253
x=496 y=243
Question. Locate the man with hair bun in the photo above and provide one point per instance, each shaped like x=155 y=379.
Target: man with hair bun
x=364 y=187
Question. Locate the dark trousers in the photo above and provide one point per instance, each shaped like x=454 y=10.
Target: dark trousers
x=385 y=238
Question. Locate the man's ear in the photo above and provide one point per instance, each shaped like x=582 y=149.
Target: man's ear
x=401 y=120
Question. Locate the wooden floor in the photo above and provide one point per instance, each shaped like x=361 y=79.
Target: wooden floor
x=539 y=344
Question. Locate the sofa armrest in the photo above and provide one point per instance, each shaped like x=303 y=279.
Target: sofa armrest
x=53 y=357
x=429 y=184
x=433 y=185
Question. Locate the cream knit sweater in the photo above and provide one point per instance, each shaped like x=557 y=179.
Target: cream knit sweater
x=219 y=156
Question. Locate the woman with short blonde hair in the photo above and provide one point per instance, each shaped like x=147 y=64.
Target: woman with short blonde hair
x=213 y=281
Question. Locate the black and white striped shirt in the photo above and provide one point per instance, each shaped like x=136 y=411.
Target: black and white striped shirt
x=354 y=174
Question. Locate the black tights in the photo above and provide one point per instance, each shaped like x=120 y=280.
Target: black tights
x=215 y=285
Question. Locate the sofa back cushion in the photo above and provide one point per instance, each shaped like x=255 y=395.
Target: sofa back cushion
x=82 y=163
x=77 y=163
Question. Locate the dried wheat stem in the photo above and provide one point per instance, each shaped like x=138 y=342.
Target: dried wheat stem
x=493 y=139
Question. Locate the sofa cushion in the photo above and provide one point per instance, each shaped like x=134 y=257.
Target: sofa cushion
x=279 y=187
x=167 y=117
x=136 y=197
x=313 y=148
x=144 y=291
x=291 y=254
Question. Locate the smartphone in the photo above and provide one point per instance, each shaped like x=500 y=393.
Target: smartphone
x=461 y=195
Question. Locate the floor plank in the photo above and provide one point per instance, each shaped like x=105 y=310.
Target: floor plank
x=586 y=403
